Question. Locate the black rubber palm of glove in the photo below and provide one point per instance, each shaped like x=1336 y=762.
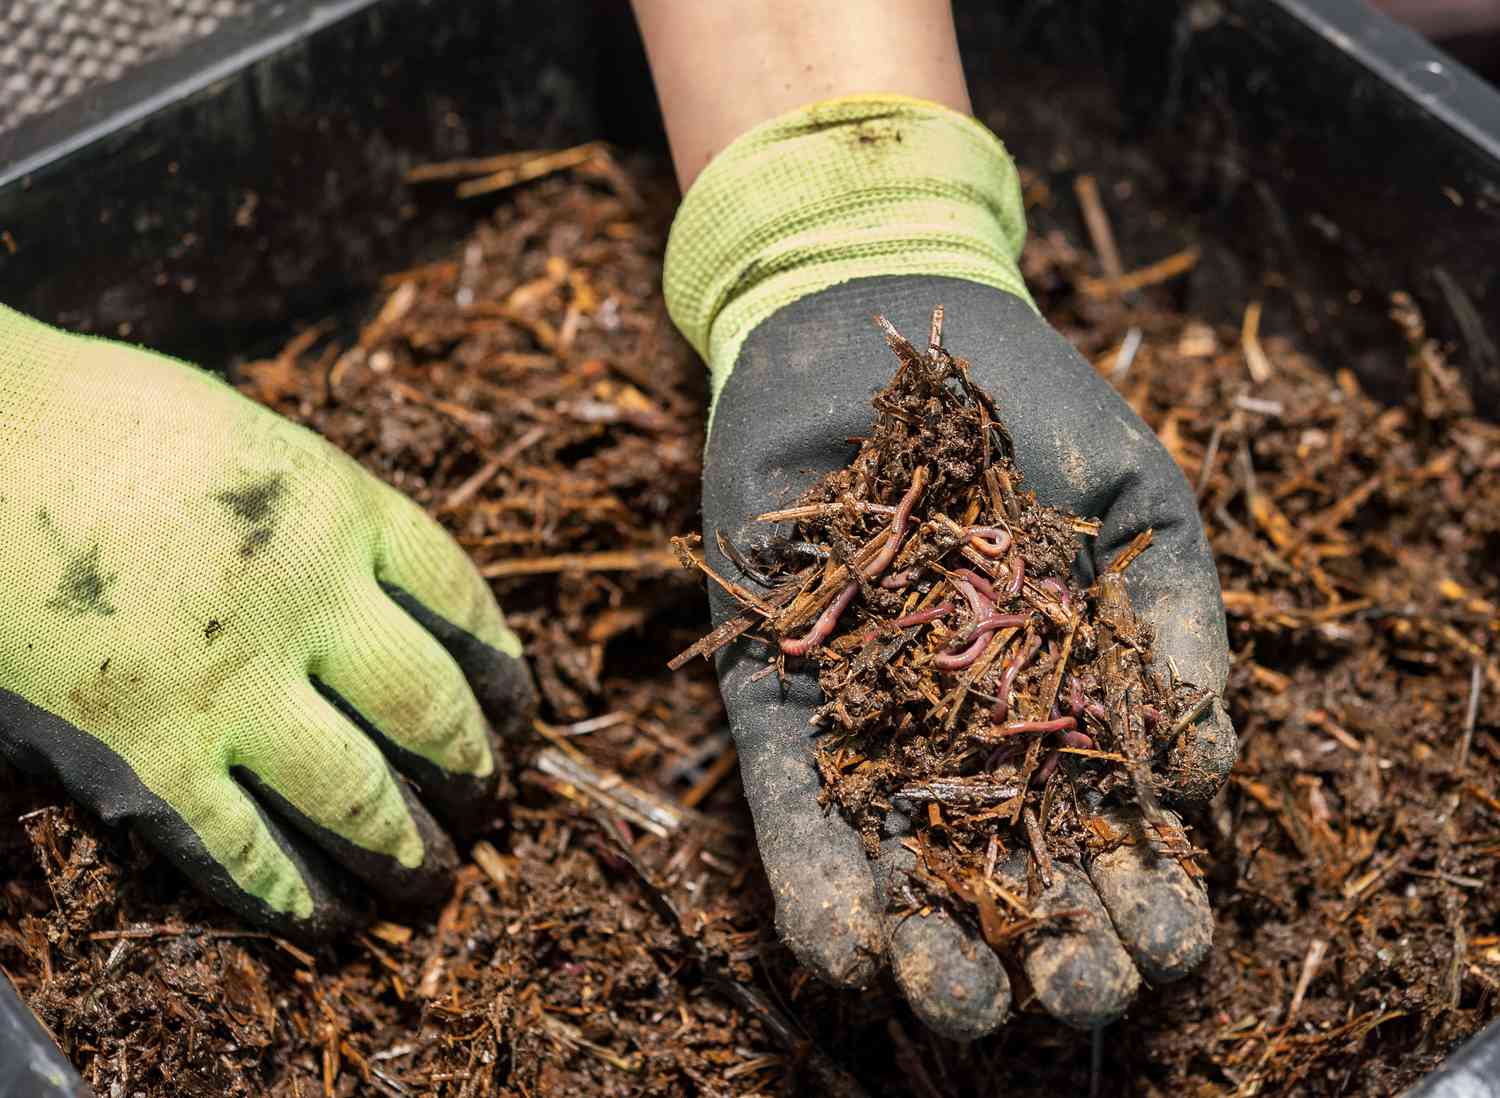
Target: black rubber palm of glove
x=799 y=389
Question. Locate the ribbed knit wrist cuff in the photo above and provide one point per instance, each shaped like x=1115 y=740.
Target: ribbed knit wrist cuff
x=846 y=188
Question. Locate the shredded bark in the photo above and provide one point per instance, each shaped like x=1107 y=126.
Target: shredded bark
x=1356 y=544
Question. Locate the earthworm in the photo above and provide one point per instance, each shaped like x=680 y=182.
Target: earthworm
x=1059 y=589
x=985 y=621
x=897 y=580
x=887 y=552
x=1080 y=707
x=1013 y=588
x=981 y=604
x=1075 y=738
x=801 y=646
x=1061 y=724
x=980 y=583
x=1013 y=668
x=957 y=661
x=918 y=617
x=1070 y=738
x=992 y=541
x=980 y=594
x=1002 y=621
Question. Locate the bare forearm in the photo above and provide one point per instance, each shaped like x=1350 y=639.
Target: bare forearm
x=724 y=66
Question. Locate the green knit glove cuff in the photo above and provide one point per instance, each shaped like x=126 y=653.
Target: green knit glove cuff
x=842 y=189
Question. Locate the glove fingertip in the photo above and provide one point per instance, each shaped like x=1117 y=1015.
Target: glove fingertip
x=420 y=884
x=826 y=905
x=1161 y=914
x=501 y=682
x=1078 y=969
x=956 y=985
x=1199 y=762
x=465 y=801
x=336 y=913
x=335 y=903
x=1083 y=983
x=830 y=924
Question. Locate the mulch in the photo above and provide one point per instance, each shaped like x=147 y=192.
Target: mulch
x=614 y=936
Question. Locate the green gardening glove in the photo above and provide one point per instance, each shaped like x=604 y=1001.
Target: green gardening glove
x=218 y=628
x=785 y=246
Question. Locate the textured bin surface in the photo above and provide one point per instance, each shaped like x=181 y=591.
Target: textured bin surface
x=51 y=50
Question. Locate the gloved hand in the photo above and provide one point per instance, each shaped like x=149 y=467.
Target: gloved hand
x=783 y=249
x=220 y=629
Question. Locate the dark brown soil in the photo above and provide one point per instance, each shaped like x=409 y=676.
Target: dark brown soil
x=616 y=939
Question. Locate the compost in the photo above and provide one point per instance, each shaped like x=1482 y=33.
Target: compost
x=950 y=641
x=613 y=935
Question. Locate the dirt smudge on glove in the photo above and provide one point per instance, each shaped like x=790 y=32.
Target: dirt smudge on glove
x=256 y=505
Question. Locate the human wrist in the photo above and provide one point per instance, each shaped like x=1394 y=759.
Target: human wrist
x=723 y=68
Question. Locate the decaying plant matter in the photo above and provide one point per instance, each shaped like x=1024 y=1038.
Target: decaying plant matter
x=527 y=388
x=969 y=682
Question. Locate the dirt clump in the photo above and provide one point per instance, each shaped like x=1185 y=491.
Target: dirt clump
x=966 y=676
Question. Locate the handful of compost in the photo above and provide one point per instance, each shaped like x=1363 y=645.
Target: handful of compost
x=970 y=684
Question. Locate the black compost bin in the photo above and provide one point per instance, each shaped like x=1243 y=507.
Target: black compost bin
x=207 y=201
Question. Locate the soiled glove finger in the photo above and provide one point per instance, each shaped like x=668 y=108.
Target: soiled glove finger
x=953 y=980
x=428 y=574
x=357 y=821
x=1160 y=913
x=1079 y=971
x=826 y=908
x=430 y=672
x=280 y=879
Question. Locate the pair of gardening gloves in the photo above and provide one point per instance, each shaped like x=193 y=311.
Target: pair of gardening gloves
x=220 y=629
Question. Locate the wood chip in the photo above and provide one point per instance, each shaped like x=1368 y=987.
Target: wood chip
x=623 y=560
